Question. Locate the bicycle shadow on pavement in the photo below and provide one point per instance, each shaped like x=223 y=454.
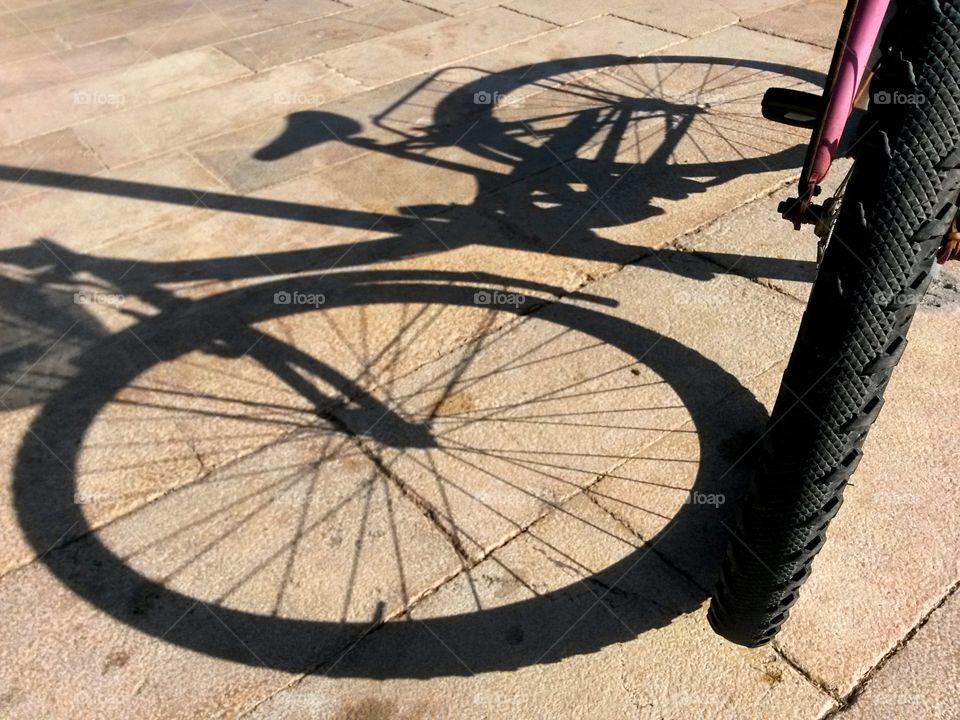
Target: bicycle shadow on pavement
x=648 y=583
x=566 y=182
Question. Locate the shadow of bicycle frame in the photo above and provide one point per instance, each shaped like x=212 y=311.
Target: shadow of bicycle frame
x=483 y=640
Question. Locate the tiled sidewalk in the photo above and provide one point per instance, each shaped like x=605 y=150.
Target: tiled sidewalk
x=403 y=359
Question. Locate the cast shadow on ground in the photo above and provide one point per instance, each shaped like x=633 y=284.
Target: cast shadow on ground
x=559 y=162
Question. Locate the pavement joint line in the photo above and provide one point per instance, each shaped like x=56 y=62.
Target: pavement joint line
x=428 y=7
x=732 y=270
x=363 y=87
x=610 y=589
x=663 y=29
x=192 y=159
x=537 y=17
x=667 y=560
x=828 y=690
x=426 y=508
x=585 y=581
x=87 y=147
x=780 y=36
x=863 y=683
x=639 y=706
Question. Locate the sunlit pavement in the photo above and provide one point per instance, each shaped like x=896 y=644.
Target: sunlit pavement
x=399 y=360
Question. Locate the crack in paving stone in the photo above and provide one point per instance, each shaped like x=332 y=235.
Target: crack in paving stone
x=858 y=690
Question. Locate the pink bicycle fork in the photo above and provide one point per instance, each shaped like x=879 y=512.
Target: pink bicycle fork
x=861 y=26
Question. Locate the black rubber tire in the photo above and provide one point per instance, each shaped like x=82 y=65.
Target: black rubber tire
x=898 y=205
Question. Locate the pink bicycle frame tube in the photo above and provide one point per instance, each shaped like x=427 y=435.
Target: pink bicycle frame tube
x=850 y=67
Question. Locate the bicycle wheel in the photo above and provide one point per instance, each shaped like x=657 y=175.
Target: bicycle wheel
x=899 y=204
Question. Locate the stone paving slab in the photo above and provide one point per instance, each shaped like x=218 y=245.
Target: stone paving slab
x=693 y=478
x=60 y=151
x=449 y=7
x=51 y=69
x=872 y=618
x=553 y=625
x=28 y=44
x=171 y=422
x=849 y=616
x=896 y=527
x=876 y=510
x=228 y=23
x=82 y=221
x=748 y=8
x=754 y=241
x=415 y=110
x=161 y=241
x=96 y=28
x=315 y=141
x=313 y=37
x=13 y=423
x=303 y=473
x=571 y=48
x=381 y=185
x=812 y=21
x=415 y=50
x=686 y=17
x=142 y=132
x=905 y=687
x=69 y=103
x=44 y=15
x=94 y=664
x=22 y=4
x=511 y=447
x=583 y=207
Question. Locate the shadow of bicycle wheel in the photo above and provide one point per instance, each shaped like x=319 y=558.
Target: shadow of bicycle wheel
x=543 y=627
